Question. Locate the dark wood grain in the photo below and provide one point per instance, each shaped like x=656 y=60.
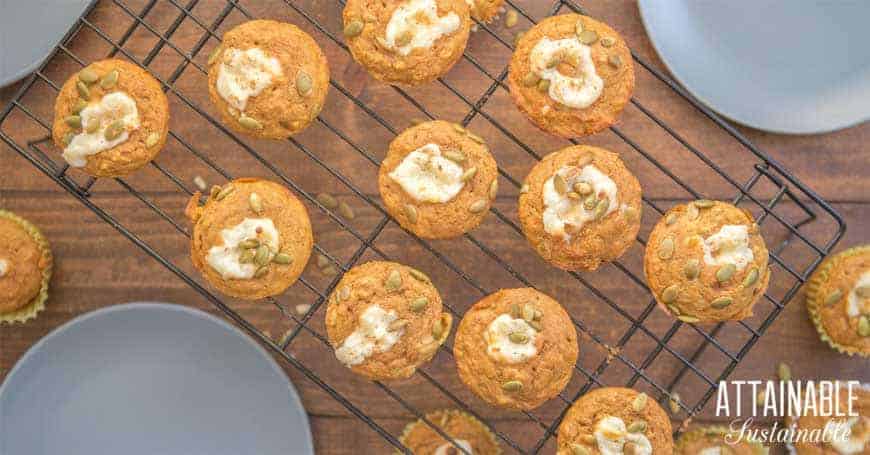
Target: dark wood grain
x=97 y=267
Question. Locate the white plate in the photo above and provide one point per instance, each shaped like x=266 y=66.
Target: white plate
x=785 y=66
x=150 y=379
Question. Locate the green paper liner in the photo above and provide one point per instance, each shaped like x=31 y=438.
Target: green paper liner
x=700 y=433
x=434 y=418
x=36 y=305
x=815 y=301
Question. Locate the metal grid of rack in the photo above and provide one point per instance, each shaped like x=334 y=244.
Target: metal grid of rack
x=780 y=201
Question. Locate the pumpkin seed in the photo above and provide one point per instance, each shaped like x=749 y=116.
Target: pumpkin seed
x=590 y=202
x=577 y=449
x=601 y=208
x=249 y=123
x=247 y=256
x=573 y=195
x=152 y=139
x=256 y=203
x=346 y=211
x=228 y=190
x=689 y=319
x=639 y=402
x=79 y=106
x=608 y=41
x=83 y=90
x=674 y=402
x=721 y=302
x=88 y=76
x=73 y=121
x=454 y=155
x=588 y=37
x=512 y=386
x=584 y=161
x=669 y=295
x=524 y=189
x=68 y=137
x=468 y=174
x=327 y=200
x=398 y=324
x=353 y=28
x=751 y=277
x=344 y=293
x=92 y=127
x=404 y=38
x=322 y=261
x=638 y=426
x=419 y=304
x=725 y=272
x=493 y=189
x=418 y=275
x=833 y=297
x=674 y=310
x=109 y=80
x=114 y=130
x=692 y=269
x=458 y=128
x=438 y=329
x=304 y=83
x=666 y=248
x=511 y=19
x=553 y=62
x=543 y=85
x=531 y=79
x=249 y=243
x=475 y=137
x=704 y=203
x=261 y=257
x=282 y=258
x=864 y=326
x=863 y=291
x=518 y=338
x=477 y=206
x=528 y=312
x=215 y=189
x=538 y=314
x=394 y=281
x=535 y=325
x=518 y=37
x=516 y=312
x=583 y=188
x=671 y=219
x=784 y=372
x=615 y=61
x=213 y=56
x=692 y=212
x=261 y=272
x=411 y=213
x=630 y=213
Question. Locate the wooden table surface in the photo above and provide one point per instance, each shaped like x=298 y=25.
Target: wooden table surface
x=97 y=267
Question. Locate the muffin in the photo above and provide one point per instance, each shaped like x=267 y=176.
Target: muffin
x=857 y=427
x=466 y=431
x=384 y=320
x=251 y=239
x=571 y=75
x=580 y=207
x=408 y=42
x=705 y=261
x=516 y=348
x=25 y=269
x=615 y=420
x=838 y=301
x=110 y=118
x=717 y=440
x=438 y=180
x=484 y=10
x=268 y=79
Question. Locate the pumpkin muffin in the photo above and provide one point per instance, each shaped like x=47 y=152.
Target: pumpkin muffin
x=705 y=261
x=438 y=180
x=110 y=118
x=838 y=301
x=516 y=348
x=408 y=42
x=467 y=432
x=571 y=75
x=717 y=440
x=615 y=420
x=268 y=79
x=484 y=10
x=25 y=269
x=251 y=239
x=384 y=320
x=857 y=427
x=580 y=207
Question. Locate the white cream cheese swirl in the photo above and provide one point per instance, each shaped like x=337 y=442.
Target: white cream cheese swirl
x=611 y=436
x=427 y=176
x=561 y=210
x=371 y=336
x=730 y=245
x=577 y=91
x=499 y=345
x=854 y=434
x=444 y=449
x=112 y=107
x=858 y=305
x=419 y=20
x=224 y=259
x=243 y=74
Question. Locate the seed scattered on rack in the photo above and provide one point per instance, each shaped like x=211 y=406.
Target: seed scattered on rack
x=200 y=183
x=511 y=19
x=346 y=211
x=327 y=200
x=323 y=261
x=674 y=402
x=329 y=270
x=302 y=308
x=784 y=372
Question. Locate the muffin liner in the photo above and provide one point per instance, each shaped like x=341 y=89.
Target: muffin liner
x=434 y=417
x=699 y=433
x=814 y=301
x=792 y=450
x=36 y=305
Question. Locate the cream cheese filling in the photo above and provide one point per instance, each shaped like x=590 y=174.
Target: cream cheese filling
x=224 y=259
x=444 y=449
x=416 y=24
x=714 y=450
x=577 y=91
x=371 y=336
x=112 y=107
x=611 y=436
x=500 y=346
x=243 y=74
x=730 y=245
x=561 y=209
x=858 y=305
x=854 y=441
x=427 y=176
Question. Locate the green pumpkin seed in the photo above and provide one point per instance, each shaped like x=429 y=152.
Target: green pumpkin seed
x=588 y=37
x=304 y=83
x=601 y=208
x=73 y=121
x=88 y=76
x=630 y=213
x=639 y=402
x=262 y=271
x=704 y=203
x=559 y=184
x=784 y=372
x=511 y=19
x=751 y=277
x=438 y=329
x=863 y=291
x=477 y=206
x=418 y=275
x=669 y=295
x=538 y=314
x=411 y=213
x=109 y=80
x=353 y=28
x=213 y=56
x=343 y=293
x=518 y=37
x=615 y=61
x=92 y=126
x=512 y=386
x=725 y=272
x=152 y=139
x=528 y=312
x=458 y=128
x=518 y=338
x=543 y=85
x=475 y=137
x=666 y=248
x=864 y=326
x=247 y=256
x=83 y=90
x=346 y=210
x=531 y=79
x=582 y=188
x=638 y=426
x=79 y=106
x=590 y=202
x=692 y=212
x=68 y=137
x=535 y=325
x=215 y=190
x=573 y=195
x=493 y=189
x=327 y=200
x=469 y=174
x=577 y=449
x=833 y=297
x=419 y=304
x=394 y=281
x=249 y=123
x=398 y=324
x=608 y=41
x=454 y=155
x=674 y=402
x=226 y=191
x=249 y=243
x=516 y=312
x=114 y=130
x=282 y=258
x=262 y=258
x=689 y=319
x=692 y=269
x=578 y=28
x=256 y=203
x=674 y=310
x=721 y=302
x=671 y=219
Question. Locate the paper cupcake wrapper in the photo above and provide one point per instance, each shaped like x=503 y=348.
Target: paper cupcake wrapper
x=792 y=450
x=815 y=301
x=435 y=415
x=36 y=305
x=698 y=433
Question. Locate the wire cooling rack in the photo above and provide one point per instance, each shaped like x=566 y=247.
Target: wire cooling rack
x=624 y=340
